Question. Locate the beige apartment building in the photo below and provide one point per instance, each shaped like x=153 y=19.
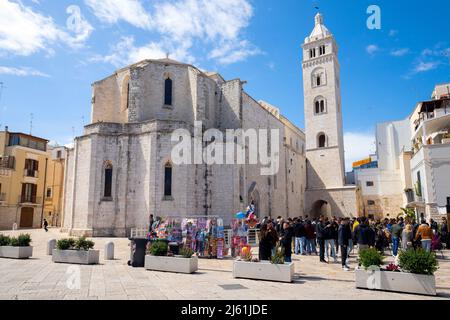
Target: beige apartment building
x=30 y=181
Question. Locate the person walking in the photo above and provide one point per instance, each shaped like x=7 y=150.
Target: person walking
x=396 y=236
x=320 y=235
x=45 y=225
x=425 y=233
x=344 y=236
x=286 y=241
x=300 y=237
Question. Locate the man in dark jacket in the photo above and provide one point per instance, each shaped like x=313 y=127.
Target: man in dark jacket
x=321 y=235
x=364 y=235
x=344 y=237
x=286 y=241
x=300 y=237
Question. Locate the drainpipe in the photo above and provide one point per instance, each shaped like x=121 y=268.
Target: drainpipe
x=44 y=192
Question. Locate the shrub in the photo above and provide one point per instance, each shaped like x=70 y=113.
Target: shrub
x=14 y=242
x=159 y=249
x=24 y=240
x=83 y=244
x=4 y=240
x=418 y=261
x=65 y=244
x=278 y=257
x=186 y=252
x=370 y=257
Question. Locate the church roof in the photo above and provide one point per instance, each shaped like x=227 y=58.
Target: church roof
x=320 y=31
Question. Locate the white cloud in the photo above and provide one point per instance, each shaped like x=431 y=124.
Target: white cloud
x=182 y=24
x=22 y=72
x=113 y=11
x=78 y=25
x=358 y=146
x=25 y=32
x=393 y=33
x=372 y=49
x=426 y=66
x=400 y=52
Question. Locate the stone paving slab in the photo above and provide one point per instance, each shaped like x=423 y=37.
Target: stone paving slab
x=40 y=278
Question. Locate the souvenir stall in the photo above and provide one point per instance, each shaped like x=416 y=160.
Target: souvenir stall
x=241 y=224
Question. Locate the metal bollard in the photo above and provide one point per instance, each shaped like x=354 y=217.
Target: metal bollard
x=51 y=244
x=109 y=251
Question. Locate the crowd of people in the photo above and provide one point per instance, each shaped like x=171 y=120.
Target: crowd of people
x=327 y=237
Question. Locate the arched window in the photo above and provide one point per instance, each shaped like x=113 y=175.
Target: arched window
x=320 y=105
x=108 y=171
x=318 y=77
x=126 y=93
x=168 y=85
x=168 y=180
x=318 y=80
x=322 y=140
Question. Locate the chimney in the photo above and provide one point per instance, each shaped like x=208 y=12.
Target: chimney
x=6 y=128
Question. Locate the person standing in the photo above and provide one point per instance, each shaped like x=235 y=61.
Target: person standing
x=425 y=233
x=151 y=221
x=320 y=235
x=344 y=237
x=266 y=243
x=330 y=246
x=286 y=241
x=273 y=236
x=45 y=225
x=407 y=236
x=300 y=237
x=396 y=235
x=364 y=235
x=310 y=238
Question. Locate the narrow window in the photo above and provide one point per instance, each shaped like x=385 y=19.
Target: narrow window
x=322 y=106
x=322 y=141
x=128 y=96
x=168 y=92
x=369 y=183
x=168 y=180
x=108 y=181
x=370 y=203
x=317 y=107
x=318 y=80
x=49 y=193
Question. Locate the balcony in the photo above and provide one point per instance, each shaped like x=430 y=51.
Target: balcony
x=2 y=197
x=7 y=162
x=29 y=199
x=30 y=173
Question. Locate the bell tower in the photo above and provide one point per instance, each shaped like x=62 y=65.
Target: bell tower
x=323 y=112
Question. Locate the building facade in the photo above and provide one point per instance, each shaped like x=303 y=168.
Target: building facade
x=326 y=191
x=23 y=165
x=121 y=170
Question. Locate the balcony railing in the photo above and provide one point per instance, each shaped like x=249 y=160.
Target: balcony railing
x=31 y=173
x=7 y=162
x=29 y=199
x=2 y=196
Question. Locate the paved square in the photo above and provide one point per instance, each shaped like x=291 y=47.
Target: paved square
x=40 y=278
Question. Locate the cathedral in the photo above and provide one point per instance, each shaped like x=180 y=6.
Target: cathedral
x=121 y=169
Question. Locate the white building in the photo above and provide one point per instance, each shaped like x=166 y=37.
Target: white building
x=430 y=163
x=381 y=185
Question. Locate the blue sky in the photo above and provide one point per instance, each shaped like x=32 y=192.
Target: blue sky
x=52 y=50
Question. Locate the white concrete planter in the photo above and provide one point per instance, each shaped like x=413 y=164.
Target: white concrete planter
x=396 y=282
x=76 y=257
x=16 y=252
x=171 y=264
x=264 y=271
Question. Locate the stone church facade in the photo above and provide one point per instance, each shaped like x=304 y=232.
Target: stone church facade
x=326 y=192
x=120 y=171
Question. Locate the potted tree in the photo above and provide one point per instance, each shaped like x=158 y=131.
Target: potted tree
x=275 y=270
x=78 y=251
x=16 y=248
x=413 y=274
x=158 y=260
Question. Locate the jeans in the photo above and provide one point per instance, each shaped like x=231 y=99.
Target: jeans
x=395 y=244
x=426 y=245
x=300 y=244
x=344 y=255
x=350 y=247
x=288 y=259
x=332 y=244
x=321 y=243
x=311 y=246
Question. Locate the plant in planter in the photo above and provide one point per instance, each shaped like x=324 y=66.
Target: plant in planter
x=370 y=257
x=16 y=247
x=278 y=257
x=246 y=254
x=393 y=268
x=418 y=261
x=159 y=249
x=186 y=252
x=77 y=251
